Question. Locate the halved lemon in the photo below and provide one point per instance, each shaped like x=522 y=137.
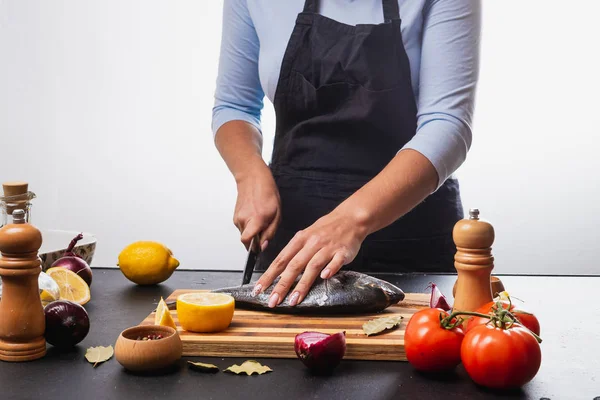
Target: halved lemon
x=205 y=312
x=163 y=315
x=72 y=286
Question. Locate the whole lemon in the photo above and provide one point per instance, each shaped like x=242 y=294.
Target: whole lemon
x=147 y=263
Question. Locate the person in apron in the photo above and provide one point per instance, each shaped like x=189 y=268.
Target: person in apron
x=344 y=106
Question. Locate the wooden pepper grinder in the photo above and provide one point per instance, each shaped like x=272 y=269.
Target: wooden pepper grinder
x=473 y=262
x=22 y=320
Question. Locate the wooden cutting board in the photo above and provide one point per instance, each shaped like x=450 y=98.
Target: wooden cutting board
x=268 y=335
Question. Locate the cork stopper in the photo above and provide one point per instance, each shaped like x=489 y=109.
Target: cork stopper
x=14 y=188
x=473 y=233
x=18 y=191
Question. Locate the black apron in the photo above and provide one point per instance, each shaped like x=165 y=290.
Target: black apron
x=344 y=107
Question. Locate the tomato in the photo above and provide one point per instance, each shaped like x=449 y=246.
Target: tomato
x=430 y=347
x=500 y=358
x=528 y=320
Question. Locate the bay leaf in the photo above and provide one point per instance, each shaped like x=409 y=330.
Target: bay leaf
x=202 y=367
x=378 y=325
x=99 y=354
x=249 y=367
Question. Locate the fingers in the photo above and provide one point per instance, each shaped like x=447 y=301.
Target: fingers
x=339 y=260
x=253 y=228
x=312 y=271
x=280 y=262
x=295 y=267
x=263 y=225
x=269 y=232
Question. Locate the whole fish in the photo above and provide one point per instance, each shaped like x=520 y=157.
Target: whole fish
x=347 y=292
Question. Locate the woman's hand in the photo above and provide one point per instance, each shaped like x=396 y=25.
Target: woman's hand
x=321 y=249
x=334 y=240
x=258 y=206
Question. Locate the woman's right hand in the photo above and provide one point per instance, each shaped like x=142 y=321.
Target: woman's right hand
x=258 y=206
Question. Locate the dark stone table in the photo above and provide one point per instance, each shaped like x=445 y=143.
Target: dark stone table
x=566 y=307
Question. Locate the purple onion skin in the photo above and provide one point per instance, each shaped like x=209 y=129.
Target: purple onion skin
x=438 y=300
x=77 y=265
x=321 y=356
x=67 y=323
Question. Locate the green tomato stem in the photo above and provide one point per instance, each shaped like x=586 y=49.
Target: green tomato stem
x=502 y=319
x=445 y=322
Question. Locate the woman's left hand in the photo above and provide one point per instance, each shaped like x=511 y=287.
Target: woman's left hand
x=321 y=249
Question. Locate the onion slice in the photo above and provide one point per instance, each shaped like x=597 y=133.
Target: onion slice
x=438 y=300
x=320 y=352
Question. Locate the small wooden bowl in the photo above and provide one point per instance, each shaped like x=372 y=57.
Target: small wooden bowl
x=149 y=355
x=497 y=286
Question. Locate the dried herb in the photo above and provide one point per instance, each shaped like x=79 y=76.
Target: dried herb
x=379 y=325
x=202 y=367
x=249 y=367
x=99 y=354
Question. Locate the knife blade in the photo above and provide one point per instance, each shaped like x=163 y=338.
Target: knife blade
x=253 y=251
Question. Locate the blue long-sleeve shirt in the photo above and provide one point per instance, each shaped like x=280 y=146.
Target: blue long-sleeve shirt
x=441 y=38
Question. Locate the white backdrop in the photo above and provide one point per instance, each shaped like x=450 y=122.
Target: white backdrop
x=105 y=108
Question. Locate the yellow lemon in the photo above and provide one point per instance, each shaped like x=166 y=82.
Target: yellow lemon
x=163 y=315
x=147 y=263
x=72 y=286
x=205 y=312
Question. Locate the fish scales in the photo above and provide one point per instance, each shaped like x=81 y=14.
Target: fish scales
x=347 y=292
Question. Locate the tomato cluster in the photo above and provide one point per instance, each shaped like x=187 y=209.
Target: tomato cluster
x=498 y=351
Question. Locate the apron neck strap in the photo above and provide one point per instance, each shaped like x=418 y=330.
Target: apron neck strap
x=391 y=10
x=311 y=6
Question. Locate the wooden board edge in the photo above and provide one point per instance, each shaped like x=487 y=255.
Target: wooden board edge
x=282 y=351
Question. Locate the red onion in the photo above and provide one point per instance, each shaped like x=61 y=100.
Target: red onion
x=438 y=300
x=75 y=263
x=67 y=323
x=320 y=352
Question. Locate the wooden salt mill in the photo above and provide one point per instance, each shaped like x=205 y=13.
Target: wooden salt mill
x=473 y=262
x=22 y=320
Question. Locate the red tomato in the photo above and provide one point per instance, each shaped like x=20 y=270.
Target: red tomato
x=500 y=358
x=430 y=347
x=529 y=321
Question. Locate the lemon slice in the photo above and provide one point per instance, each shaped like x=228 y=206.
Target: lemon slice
x=205 y=312
x=163 y=315
x=47 y=297
x=72 y=286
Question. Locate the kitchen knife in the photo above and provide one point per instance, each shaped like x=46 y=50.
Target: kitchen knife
x=253 y=252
